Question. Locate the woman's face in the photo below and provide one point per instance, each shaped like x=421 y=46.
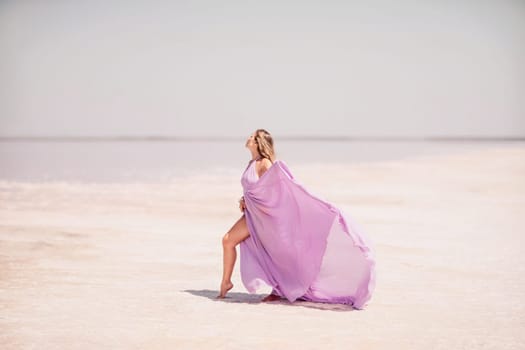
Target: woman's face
x=250 y=142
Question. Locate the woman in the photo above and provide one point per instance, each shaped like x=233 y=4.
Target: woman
x=300 y=245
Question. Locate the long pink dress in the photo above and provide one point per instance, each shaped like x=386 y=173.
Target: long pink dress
x=300 y=245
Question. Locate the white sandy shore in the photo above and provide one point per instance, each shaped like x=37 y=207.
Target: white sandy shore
x=137 y=266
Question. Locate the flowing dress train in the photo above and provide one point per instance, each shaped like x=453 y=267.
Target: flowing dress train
x=300 y=245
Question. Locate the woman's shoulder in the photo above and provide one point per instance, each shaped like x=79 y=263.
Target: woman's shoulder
x=263 y=165
x=266 y=163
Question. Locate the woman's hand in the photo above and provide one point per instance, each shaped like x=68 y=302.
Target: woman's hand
x=242 y=206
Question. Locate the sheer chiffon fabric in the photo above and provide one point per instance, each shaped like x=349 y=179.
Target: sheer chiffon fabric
x=301 y=246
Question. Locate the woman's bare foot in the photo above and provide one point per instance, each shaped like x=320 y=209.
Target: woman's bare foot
x=225 y=287
x=271 y=297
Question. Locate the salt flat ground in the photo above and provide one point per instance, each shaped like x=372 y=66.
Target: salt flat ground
x=137 y=265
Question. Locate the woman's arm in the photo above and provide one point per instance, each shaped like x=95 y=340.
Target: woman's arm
x=242 y=205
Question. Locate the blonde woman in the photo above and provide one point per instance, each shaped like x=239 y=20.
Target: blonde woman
x=301 y=246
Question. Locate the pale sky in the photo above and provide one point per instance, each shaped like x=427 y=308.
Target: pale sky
x=224 y=68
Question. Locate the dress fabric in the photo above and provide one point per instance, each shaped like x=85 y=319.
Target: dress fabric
x=300 y=245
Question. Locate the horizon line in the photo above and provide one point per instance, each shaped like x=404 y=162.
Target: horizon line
x=322 y=138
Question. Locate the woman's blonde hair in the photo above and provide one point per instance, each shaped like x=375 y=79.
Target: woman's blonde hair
x=264 y=142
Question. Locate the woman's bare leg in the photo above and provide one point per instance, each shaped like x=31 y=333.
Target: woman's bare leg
x=237 y=234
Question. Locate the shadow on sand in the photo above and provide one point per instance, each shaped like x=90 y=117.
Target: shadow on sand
x=246 y=298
